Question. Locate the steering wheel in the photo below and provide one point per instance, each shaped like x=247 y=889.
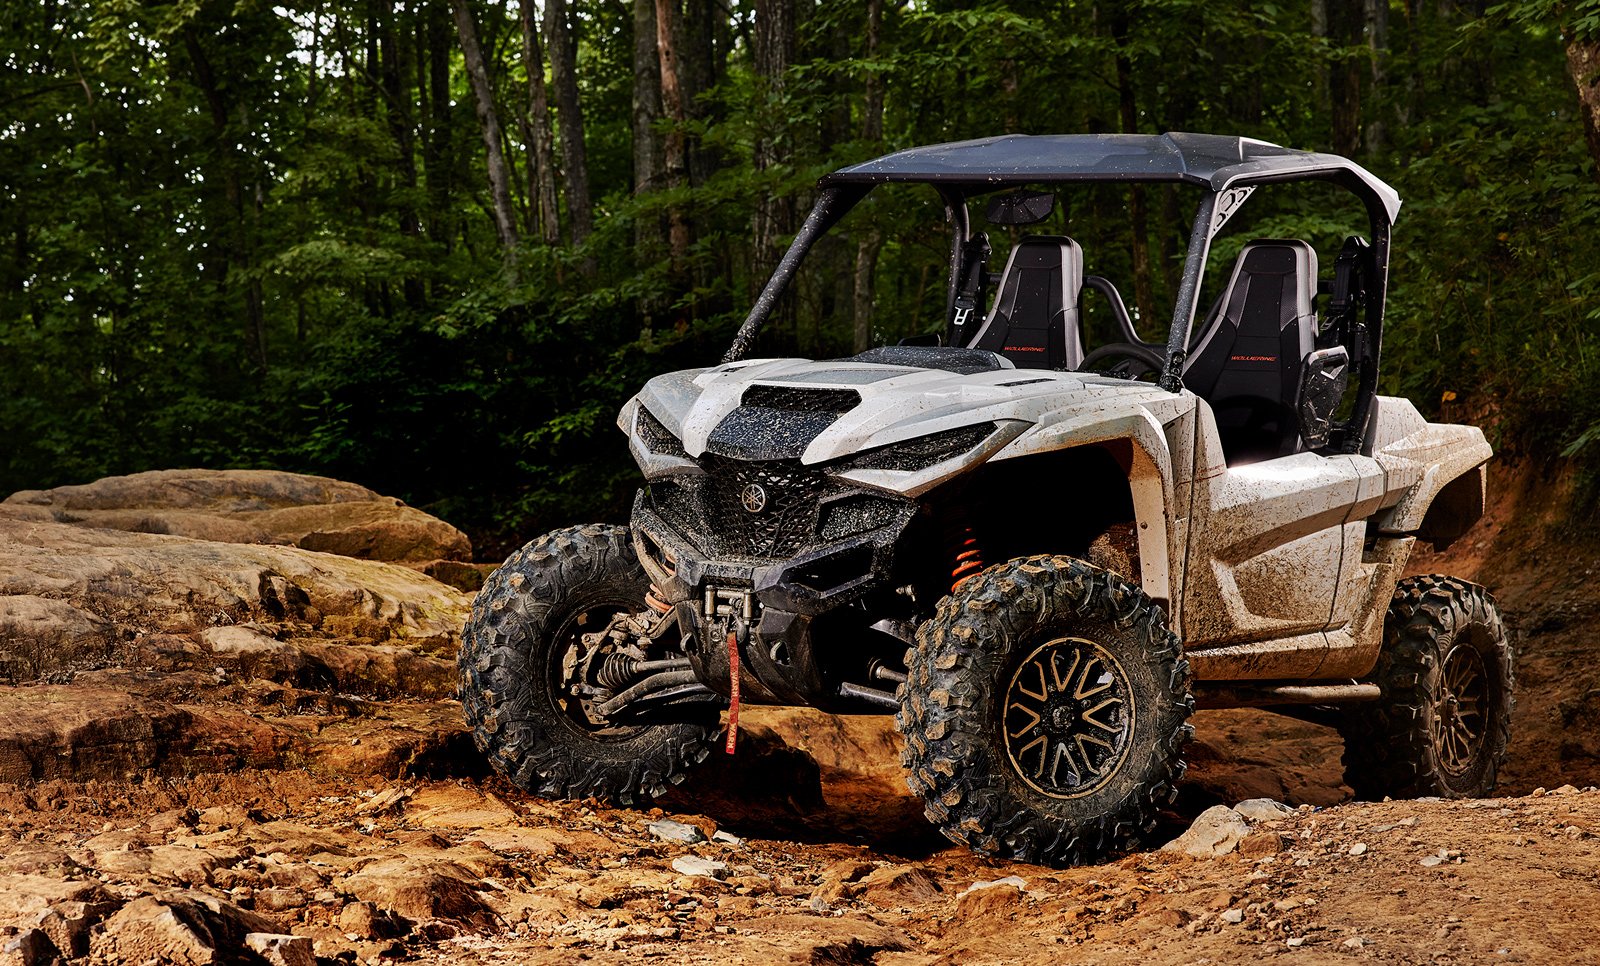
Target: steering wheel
x=1135 y=360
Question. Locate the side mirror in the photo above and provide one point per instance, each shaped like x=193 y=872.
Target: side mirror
x=1323 y=378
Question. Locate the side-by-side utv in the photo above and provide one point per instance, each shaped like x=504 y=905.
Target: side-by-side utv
x=1040 y=551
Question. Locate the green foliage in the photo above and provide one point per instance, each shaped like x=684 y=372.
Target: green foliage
x=247 y=234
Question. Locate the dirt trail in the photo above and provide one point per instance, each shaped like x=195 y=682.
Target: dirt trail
x=830 y=859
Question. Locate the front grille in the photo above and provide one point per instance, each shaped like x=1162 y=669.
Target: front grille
x=782 y=527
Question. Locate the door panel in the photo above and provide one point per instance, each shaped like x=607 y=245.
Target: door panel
x=1267 y=543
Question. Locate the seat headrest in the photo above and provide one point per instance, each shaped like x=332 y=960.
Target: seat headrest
x=1034 y=321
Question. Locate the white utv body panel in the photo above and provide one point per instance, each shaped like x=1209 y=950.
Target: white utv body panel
x=1275 y=570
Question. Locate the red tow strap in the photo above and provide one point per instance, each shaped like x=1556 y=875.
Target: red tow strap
x=733 y=704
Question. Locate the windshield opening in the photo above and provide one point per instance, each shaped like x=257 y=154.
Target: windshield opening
x=882 y=275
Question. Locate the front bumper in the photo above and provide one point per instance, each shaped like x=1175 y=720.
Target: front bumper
x=770 y=607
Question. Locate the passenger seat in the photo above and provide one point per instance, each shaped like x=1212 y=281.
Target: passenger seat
x=1034 y=322
x=1246 y=361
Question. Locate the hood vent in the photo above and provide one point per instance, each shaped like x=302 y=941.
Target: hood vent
x=796 y=399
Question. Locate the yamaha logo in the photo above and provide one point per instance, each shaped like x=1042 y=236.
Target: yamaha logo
x=754 y=497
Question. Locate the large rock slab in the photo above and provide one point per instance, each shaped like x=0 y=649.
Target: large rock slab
x=252 y=506
x=121 y=585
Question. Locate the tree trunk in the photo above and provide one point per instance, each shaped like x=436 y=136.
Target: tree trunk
x=872 y=109
x=868 y=244
x=701 y=20
x=1138 y=223
x=773 y=52
x=397 y=109
x=646 y=99
x=1583 y=66
x=1319 y=30
x=1344 y=94
x=437 y=153
x=241 y=255
x=1377 y=31
x=542 y=170
x=562 y=43
x=676 y=160
x=505 y=221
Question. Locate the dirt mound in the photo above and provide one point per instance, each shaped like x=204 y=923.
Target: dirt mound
x=251 y=506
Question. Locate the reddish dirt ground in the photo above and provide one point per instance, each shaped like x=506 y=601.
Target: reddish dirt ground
x=476 y=872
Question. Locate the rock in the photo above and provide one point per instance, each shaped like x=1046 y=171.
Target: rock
x=366 y=921
x=31 y=623
x=1263 y=810
x=254 y=506
x=31 y=947
x=1217 y=831
x=707 y=826
x=1294 y=942
x=1014 y=881
x=24 y=898
x=83 y=732
x=695 y=865
x=454 y=807
x=1360 y=848
x=727 y=838
x=1233 y=916
x=147 y=583
x=1260 y=844
x=279 y=900
x=179 y=928
x=420 y=888
x=990 y=906
x=303 y=878
x=1431 y=861
x=385 y=801
x=281 y=950
x=838 y=879
x=897 y=886
x=68 y=924
x=667 y=829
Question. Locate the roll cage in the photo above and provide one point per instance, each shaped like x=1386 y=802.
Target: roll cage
x=1227 y=169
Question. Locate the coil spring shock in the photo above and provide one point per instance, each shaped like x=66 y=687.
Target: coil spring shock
x=963 y=549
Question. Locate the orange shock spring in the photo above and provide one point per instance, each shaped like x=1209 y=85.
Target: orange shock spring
x=652 y=599
x=965 y=552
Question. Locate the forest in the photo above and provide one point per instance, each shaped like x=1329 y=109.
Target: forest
x=431 y=246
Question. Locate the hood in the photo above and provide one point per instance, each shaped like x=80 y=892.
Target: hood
x=881 y=424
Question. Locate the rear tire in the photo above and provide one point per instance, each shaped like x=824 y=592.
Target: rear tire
x=517 y=644
x=1443 y=723
x=1044 y=713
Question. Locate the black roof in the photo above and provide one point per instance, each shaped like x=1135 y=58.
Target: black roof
x=1207 y=160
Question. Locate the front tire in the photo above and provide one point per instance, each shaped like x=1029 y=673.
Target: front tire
x=1444 y=721
x=1044 y=713
x=517 y=659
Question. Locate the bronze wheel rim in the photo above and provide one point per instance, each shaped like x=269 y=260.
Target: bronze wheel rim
x=1460 y=721
x=1068 y=717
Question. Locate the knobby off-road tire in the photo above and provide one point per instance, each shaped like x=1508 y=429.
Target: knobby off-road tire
x=1015 y=644
x=526 y=617
x=1442 y=725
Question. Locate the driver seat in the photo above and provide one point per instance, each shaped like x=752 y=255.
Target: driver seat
x=1246 y=363
x=1034 y=321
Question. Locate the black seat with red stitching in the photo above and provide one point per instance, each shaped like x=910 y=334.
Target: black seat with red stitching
x=1246 y=359
x=1034 y=322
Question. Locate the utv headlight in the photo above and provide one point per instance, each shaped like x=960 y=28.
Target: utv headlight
x=924 y=451
x=656 y=437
